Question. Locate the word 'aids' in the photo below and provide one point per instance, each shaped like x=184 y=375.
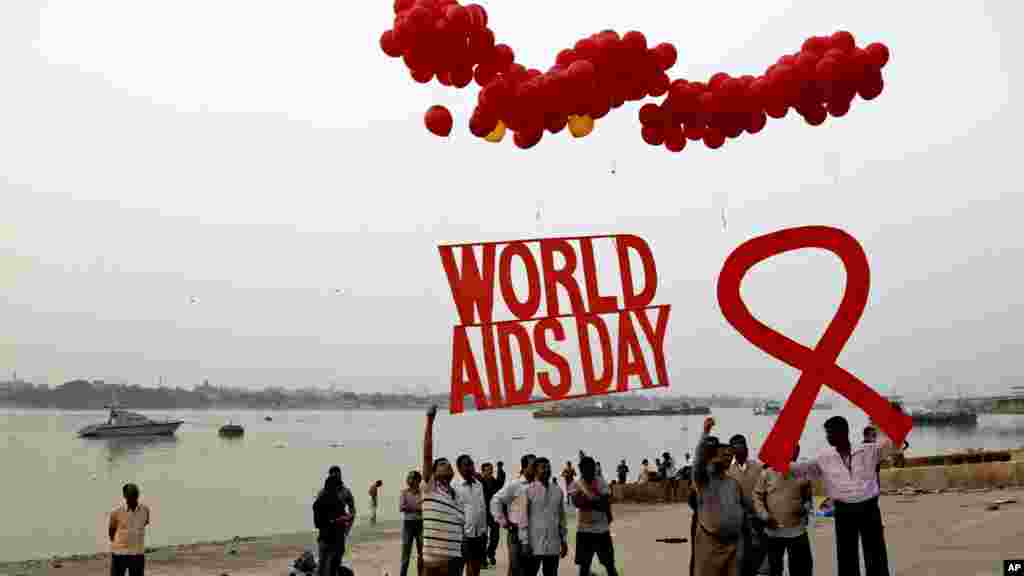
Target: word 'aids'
x=817 y=366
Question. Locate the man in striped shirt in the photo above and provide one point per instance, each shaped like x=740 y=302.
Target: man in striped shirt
x=443 y=516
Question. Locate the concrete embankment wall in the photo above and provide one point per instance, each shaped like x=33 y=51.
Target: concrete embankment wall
x=981 y=474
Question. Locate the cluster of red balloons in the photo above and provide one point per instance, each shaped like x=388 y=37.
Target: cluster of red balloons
x=443 y=39
x=821 y=79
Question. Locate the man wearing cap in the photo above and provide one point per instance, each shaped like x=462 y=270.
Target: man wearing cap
x=718 y=536
x=747 y=473
x=851 y=482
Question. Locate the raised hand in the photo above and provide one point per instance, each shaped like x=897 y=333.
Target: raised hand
x=432 y=412
x=709 y=423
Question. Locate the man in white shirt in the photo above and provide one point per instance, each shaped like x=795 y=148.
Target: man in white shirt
x=851 y=482
x=127 y=532
x=508 y=507
x=544 y=537
x=470 y=492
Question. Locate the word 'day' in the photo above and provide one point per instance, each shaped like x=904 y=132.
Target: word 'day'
x=564 y=335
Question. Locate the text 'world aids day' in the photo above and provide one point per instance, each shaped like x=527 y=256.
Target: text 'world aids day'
x=554 y=319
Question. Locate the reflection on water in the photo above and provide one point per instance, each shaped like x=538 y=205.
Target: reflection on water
x=131 y=448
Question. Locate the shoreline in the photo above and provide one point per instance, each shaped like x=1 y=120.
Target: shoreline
x=987 y=527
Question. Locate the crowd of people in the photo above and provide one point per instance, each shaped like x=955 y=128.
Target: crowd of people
x=747 y=519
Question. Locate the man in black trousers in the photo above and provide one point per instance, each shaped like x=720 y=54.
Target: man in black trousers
x=851 y=482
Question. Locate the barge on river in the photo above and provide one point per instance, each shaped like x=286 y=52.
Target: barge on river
x=684 y=409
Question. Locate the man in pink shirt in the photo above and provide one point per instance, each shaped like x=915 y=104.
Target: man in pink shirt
x=851 y=481
x=127 y=532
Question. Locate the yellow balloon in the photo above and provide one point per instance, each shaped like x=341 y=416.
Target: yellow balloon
x=580 y=126
x=497 y=134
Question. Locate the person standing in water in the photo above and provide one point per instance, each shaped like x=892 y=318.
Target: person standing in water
x=410 y=506
x=374 y=491
x=443 y=516
x=127 y=531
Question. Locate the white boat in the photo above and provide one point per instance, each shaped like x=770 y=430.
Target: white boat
x=122 y=423
x=768 y=408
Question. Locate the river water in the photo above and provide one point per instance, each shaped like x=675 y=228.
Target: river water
x=57 y=487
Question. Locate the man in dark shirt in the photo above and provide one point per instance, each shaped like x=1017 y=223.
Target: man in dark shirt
x=623 y=471
x=333 y=513
x=491 y=487
x=500 y=474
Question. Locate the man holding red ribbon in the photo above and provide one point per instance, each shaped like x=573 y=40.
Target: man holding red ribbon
x=852 y=484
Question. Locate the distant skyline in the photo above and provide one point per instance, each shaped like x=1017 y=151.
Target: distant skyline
x=248 y=195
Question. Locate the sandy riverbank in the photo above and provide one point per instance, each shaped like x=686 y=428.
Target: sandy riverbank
x=951 y=533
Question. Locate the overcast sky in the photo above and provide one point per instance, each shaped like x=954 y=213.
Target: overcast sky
x=260 y=156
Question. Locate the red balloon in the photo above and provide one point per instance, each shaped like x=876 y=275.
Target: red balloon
x=481 y=43
x=582 y=71
x=715 y=83
x=438 y=120
x=462 y=76
x=527 y=138
x=871 y=86
x=503 y=57
x=713 y=138
x=757 y=122
x=839 y=108
x=650 y=115
x=666 y=54
x=445 y=78
x=659 y=85
x=555 y=123
x=484 y=74
x=635 y=41
x=815 y=115
x=421 y=76
x=477 y=15
x=389 y=44
x=653 y=135
x=776 y=110
x=694 y=132
x=480 y=124
x=843 y=40
x=878 y=54
x=674 y=139
x=402 y=5
x=566 y=57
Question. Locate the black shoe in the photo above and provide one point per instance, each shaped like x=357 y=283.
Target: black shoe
x=493 y=561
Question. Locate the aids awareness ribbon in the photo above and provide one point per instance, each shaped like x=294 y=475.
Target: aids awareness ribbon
x=818 y=365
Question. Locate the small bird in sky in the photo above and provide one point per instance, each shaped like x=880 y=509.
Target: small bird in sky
x=339 y=291
x=193 y=300
x=725 y=223
x=613 y=167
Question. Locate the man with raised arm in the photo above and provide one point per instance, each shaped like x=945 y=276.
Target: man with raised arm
x=851 y=482
x=592 y=498
x=721 y=511
x=509 y=510
x=443 y=516
x=747 y=472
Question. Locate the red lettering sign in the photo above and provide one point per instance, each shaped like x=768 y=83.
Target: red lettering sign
x=619 y=338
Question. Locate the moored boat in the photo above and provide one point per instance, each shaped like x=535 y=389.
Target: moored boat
x=122 y=423
x=231 y=430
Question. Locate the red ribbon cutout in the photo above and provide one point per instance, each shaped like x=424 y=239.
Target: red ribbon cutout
x=817 y=366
